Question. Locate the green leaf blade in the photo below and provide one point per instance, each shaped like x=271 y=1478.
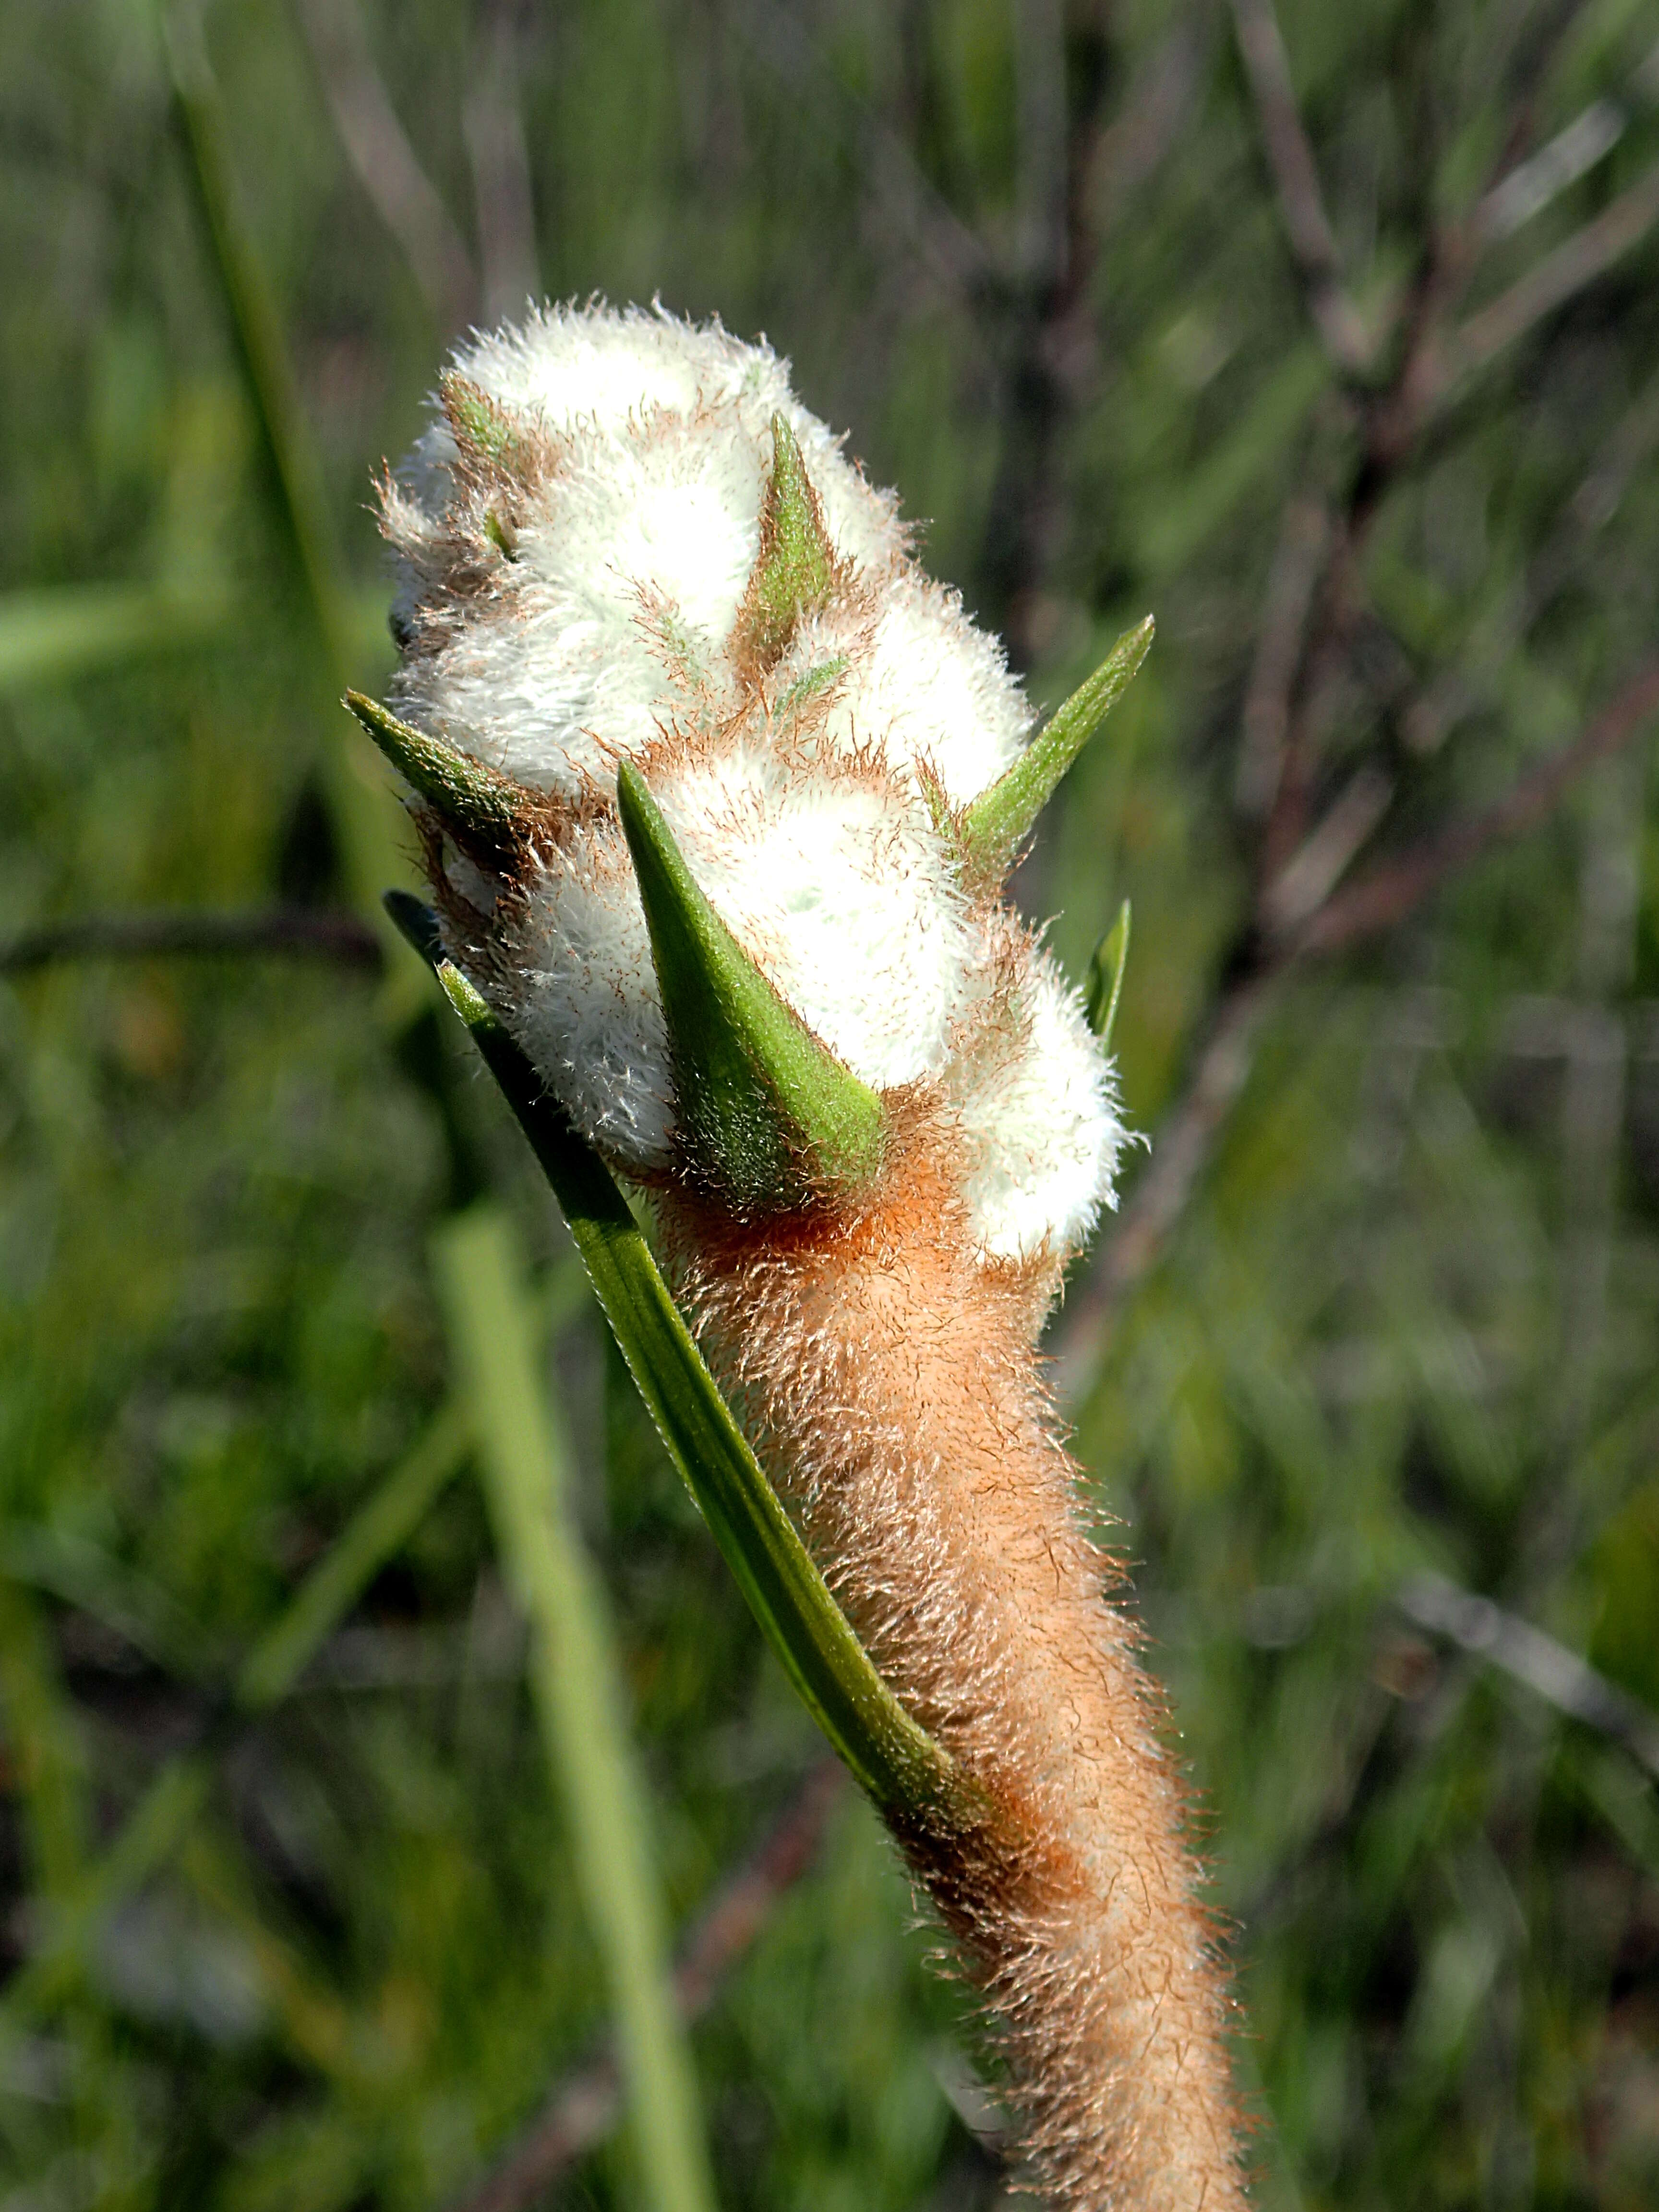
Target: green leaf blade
x=473 y=799
x=776 y=1119
x=385 y=1520
x=1105 y=987
x=577 y=1681
x=50 y=635
x=999 y=822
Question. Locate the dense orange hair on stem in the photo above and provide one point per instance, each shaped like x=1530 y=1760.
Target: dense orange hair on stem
x=890 y=1379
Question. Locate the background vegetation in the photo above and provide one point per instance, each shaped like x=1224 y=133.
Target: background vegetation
x=1347 y=366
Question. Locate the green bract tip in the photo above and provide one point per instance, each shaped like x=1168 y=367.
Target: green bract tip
x=795 y=568
x=481 y=806
x=773 y=1116
x=1105 y=985
x=1000 y=819
x=416 y=923
x=479 y=420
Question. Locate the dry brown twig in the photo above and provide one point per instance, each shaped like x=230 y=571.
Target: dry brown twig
x=492 y=123
x=1577 y=262
x=306 y=931
x=1296 y=180
x=1050 y=340
x=1485 y=1630
x=1379 y=900
x=1303 y=535
x=1314 y=602
x=906 y=201
x=1472 y=680
x=1390 y=892
x=385 y=164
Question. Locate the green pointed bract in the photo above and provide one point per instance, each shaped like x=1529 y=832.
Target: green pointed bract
x=999 y=822
x=499 y=536
x=771 y=1116
x=1105 y=985
x=795 y=568
x=473 y=800
x=910 y=1775
x=806 y=688
x=479 y=420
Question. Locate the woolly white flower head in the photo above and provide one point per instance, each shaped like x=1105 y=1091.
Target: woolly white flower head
x=596 y=553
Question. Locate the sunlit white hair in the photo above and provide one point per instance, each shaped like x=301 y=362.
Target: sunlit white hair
x=576 y=537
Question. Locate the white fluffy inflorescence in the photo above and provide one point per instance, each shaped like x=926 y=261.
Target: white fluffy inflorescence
x=579 y=533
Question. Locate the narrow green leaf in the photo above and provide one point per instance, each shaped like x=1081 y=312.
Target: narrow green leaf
x=169 y=1806
x=417 y=925
x=473 y=799
x=73 y=1566
x=1000 y=819
x=384 y=1522
x=51 y=1814
x=795 y=568
x=1105 y=985
x=499 y=536
x=893 y=1758
x=257 y=326
x=808 y=687
x=43 y=1744
x=776 y=1118
x=365 y=817
x=48 y=635
x=1177 y=516
x=1619 y=1791
x=151 y=1832
x=576 y=1678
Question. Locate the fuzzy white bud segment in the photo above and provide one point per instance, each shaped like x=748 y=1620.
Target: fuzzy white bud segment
x=575 y=554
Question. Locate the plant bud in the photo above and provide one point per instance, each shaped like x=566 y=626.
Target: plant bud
x=718 y=792
x=624 y=540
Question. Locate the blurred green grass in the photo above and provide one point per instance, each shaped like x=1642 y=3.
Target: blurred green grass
x=1406 y=1321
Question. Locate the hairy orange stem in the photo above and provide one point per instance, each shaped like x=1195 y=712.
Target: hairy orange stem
x=890 y=1381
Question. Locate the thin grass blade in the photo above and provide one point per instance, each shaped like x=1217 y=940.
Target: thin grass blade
x=366 y=816
x=999 y=822
x=47 y=635
x=381 y=1525
x=577 y=1681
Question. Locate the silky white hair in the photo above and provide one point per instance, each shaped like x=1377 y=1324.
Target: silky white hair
x=591 y=613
